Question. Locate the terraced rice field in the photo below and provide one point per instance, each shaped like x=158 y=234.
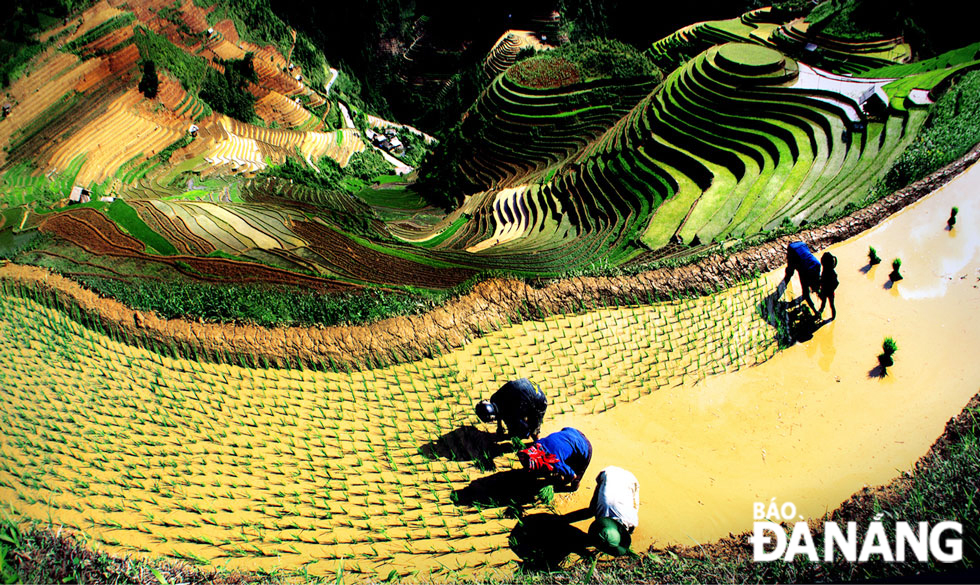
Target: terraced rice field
x=256 y=467
x=767 y=27
x=114 y=138
x=113 y=125
x=504 y=52
x=246 y=148
x=559 y=121
x=738 y=140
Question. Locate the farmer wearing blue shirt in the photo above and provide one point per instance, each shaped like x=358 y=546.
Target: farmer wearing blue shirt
x=800 y=259
x=564 y=455
x=519 y=405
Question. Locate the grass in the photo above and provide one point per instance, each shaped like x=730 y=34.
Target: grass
x=139 y=389
x=37 y=554
x=127 y=218
x=399 y=197
x=873 y=257
x=896 y=267
x=942 y=487
x=947 y=135
x=948 y=59
x=188 y=69
x=752 y=56
x=265 y=307
x=889 y=347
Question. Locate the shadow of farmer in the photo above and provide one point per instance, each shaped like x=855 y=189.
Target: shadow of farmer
x=803 y=322
x=468 y=443
x=544 y=541
x=792 y=320
x=512 y=489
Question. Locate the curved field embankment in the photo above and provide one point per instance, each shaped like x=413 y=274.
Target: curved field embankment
x=490 y=304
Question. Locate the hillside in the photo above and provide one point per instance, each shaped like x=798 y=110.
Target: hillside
x=587 y=154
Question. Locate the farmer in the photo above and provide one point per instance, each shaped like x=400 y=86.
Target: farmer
x=616 y=505
x=828 y=283
x=520 y=405
x=564 y=456
x=799 y=258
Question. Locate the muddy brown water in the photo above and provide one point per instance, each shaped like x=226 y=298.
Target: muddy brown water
x=817 y=422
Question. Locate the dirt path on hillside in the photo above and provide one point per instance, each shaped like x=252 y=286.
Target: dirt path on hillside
x=819 y=421
x=490 y=304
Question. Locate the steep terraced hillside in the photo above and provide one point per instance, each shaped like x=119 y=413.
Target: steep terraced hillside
x=582 y=155
x=740 y=140
x=78 y=100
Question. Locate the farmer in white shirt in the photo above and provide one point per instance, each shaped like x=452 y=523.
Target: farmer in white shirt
x=616 y=505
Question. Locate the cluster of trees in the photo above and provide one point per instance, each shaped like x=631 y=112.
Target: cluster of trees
x=255 y=21
x=187 y=68
x=149 y=84
x=362 y=168
x=595 y=59
x=228 y=92
x=950 y=133
x=930 y=26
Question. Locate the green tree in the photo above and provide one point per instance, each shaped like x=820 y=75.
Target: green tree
x=150 y=84
x=228 y=93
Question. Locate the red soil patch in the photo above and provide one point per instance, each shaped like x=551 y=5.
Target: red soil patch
x=195 y=17
x=124 y=59
x=227 y=29
x=91 y=231
x=170 y=93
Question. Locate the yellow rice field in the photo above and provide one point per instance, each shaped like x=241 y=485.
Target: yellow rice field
x=311 y=469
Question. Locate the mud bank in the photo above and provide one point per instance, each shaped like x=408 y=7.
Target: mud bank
x=490 y=304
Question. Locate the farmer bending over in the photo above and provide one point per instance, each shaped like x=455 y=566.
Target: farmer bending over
x=520 y=405
x=564 y=456
x=799 y=258
x=616 y=505
x=828 y=283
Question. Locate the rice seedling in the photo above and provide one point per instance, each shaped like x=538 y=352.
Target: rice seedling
x=889 y=347
x=895 y=275
x=380 y=443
